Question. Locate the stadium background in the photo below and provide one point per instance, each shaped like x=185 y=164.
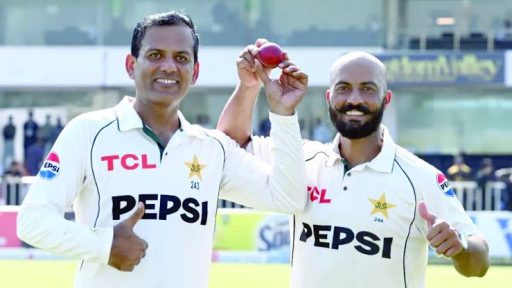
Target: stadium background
x=450 y=70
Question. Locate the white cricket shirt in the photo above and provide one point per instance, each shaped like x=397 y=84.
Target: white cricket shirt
x=361 y=227
x=105 y=162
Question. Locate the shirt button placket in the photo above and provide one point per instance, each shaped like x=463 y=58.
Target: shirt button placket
x=348 y=174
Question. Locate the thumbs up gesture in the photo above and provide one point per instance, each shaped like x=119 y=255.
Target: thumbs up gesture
x=446 y=240
x=127 y=248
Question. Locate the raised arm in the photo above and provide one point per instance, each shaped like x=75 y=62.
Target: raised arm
x=283 y=94
x=235 y=120
x=279 y=184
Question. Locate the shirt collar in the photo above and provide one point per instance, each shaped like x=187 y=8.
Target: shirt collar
x=129 y=119
x=386 y=157
x=383 y=162
x=189 y=129
x=334 y=151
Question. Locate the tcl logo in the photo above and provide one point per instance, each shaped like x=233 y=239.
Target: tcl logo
x=319 y=195
x=127 y=162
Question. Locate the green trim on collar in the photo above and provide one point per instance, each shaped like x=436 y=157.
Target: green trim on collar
x=152 y=135
x=346 y=165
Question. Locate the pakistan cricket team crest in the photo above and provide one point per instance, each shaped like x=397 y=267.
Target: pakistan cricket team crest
x=381 y=205
x=195 y=168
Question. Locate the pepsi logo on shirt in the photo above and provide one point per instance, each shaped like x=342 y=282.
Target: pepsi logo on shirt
x=444 y=185
x=51 y=166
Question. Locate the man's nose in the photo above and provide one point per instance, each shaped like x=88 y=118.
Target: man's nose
x=355 y=98
x=169 y=65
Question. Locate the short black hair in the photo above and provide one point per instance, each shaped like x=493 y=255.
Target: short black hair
x=171 y=18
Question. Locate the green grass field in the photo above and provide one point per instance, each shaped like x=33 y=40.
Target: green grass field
x=59 y=274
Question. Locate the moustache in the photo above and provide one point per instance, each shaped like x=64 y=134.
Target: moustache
x=350 y=107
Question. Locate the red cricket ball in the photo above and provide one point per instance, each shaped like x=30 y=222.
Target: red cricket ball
x=270 y=55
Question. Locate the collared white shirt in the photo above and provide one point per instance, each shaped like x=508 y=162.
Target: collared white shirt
x=104 y=163
x=361 y=227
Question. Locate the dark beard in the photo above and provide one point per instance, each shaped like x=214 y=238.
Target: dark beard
x=356 y=130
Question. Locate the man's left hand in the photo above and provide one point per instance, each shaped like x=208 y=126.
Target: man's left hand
x=441 y=236
x=285 y=93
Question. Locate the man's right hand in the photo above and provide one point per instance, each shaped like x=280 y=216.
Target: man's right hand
x=245 y=65
x=127 y=248
x=283 y=94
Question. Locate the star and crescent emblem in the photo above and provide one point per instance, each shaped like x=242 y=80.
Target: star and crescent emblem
x=195 y=168
x=381 y=205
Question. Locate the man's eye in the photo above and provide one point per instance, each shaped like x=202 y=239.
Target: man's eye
x=155 y=56
x=342 y=89
x=182 y=59
x=368 y=89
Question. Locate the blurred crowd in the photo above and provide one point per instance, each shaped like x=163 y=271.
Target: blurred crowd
x=38 y=138
x=484 y=176
x=318 y=130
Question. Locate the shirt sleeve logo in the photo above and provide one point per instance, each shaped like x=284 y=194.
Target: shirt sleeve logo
x=444 y=185
x=51 y=166
x=381 y=205
x=195 y=168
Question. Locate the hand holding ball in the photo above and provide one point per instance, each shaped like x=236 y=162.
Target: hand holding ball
x=270 y=55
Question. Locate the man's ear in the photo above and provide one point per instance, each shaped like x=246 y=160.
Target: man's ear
x=196 y=73
x=129 y=65
x=388 y=97
x=328 y=96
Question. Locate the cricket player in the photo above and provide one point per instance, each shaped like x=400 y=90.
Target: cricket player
x=373 y=207
x=144 y=182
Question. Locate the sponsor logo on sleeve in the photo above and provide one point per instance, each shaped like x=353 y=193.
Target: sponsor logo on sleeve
x=51 y=167
x=444 y=185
